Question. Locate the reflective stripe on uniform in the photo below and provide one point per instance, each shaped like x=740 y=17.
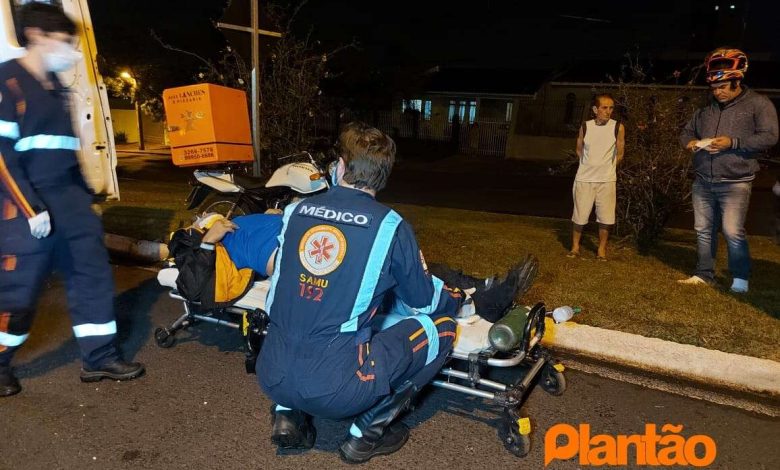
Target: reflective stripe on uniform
x=288 y=211
x=433 y=336
x=51 y=142
x=438 y=287
x=9 y=129
x=94 y=329
x=13 y=190
x=376 y=259
x=400 y=309
x=7 y=339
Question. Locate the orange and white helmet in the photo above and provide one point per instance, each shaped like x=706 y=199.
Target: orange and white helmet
x=726 y=64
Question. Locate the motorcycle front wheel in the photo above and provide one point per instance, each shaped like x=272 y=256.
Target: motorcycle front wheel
x=229 y=207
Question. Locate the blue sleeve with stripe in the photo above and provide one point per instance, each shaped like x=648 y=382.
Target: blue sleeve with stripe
x=417 y=290
x=13 y=175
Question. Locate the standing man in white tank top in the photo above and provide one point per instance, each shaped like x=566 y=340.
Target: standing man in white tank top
x=600 y=147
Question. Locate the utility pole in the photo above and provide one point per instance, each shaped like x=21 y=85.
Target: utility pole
x=138 y=115
x=254 y=30
x=140 y=124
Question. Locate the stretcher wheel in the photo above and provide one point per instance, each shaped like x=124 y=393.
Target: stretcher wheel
x=163 y=338
x=552 y=380
x=515 y=434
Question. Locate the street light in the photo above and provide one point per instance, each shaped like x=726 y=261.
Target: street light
x=139 y=122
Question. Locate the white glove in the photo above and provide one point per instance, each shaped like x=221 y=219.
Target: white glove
x=40 y=225
x=776 y=189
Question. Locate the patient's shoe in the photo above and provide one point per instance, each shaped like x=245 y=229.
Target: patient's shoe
x=9 y=385
x=292 y=429
x=493 y=303
x=117 y=369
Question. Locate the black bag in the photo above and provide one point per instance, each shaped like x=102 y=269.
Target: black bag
x=196 y=265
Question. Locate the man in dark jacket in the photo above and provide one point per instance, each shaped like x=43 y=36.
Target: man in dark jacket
x=726 y=136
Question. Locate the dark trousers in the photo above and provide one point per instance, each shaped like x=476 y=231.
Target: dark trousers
x=354 y=377
x=75 y=249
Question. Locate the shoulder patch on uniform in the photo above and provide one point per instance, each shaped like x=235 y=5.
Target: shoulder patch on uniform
x=322 y=249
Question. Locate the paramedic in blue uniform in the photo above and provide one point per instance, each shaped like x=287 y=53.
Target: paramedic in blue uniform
x=342 y=256
x=47 y=222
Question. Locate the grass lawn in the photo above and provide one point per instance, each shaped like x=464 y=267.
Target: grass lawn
x=631 y=293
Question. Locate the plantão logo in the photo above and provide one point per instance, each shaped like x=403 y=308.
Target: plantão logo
x=653 y=449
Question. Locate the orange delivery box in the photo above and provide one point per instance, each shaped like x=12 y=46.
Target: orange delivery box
x=207 y=124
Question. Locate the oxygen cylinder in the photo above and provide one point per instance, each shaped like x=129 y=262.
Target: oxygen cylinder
x=507 y=333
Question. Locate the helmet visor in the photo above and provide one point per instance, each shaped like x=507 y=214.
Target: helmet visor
x=725 y=63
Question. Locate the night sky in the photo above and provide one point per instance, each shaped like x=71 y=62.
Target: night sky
x=419 y=34
x=517 y=34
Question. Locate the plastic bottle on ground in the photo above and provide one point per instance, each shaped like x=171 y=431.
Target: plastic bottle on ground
x=564 y=313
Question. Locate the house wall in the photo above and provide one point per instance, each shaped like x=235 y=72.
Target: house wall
x=545 y=127
x=492 y=109
x=124 y=120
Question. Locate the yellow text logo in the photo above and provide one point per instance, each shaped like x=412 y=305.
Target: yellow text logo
x=668 y=448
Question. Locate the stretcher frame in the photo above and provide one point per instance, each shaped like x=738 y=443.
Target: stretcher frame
x=514 y=428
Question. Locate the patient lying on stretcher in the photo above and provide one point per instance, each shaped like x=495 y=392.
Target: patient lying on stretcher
x=221 y=262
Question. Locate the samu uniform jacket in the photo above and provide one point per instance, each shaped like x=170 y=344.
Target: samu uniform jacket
x=750 y=120
x=39 y=172
x=341 y=255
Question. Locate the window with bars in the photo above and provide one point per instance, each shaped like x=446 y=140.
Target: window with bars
x=423 y=106
x=463 y=108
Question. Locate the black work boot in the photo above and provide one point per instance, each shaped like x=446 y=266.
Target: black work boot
x=116 y=369
x=8 y=383
x=494 y=302
x=292 y=429
x=380 y=436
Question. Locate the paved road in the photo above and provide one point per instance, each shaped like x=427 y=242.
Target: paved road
x=197 y=409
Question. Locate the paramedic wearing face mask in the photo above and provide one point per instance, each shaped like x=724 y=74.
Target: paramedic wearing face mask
x=46 y=222
x=340 y=255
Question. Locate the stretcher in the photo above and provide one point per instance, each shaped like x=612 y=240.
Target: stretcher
x=466 y=371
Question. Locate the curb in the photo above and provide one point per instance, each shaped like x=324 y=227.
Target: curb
x=681 y=361
x=666 y=358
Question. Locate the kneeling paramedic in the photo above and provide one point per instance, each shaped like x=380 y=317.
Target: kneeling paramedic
x=342 y=255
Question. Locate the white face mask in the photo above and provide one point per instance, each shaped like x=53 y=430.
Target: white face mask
x=333 y=170
x=62 y=57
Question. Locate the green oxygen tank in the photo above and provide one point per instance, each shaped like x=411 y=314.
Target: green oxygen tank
x=507 y=333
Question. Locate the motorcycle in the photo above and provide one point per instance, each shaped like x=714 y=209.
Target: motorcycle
x=230 y=191
x=227 y=191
